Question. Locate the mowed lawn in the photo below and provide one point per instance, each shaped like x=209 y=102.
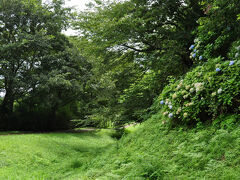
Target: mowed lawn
x=50 y=155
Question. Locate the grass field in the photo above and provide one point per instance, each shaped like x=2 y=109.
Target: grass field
x=50 y=155
x=148 y=151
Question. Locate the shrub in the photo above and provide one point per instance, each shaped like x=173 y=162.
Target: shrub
x=206 y=92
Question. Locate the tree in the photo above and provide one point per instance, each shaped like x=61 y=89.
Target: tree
x=152 y=37
x=39 y=66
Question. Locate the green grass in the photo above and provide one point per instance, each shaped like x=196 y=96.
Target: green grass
x=146 y=151
x=153 y=152
x=50 y=155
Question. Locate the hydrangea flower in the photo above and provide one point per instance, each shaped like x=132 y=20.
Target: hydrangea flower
x=179 y=110
x=167 y=101
x=196 y=40
x=161 y=102
x=187 y=87
x=199 y=86
x=218 y=69
x=195 y=50
x=189 y=104
x=179 y=85
x=165 y=113
x=214 y=94
x=236 y=55
x=191 y=47
x=220 y=91
x=231 y=63
x=200 y=58
x=170 y=115
x=170 y=106
x=192 y=90
x=174 y=96
x=194 y=55
x=185 y=114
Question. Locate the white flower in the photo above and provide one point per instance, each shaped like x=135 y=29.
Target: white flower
x=196 y=40
x=165 y=113
x=238 y=48
x=189 y=104
x=198 y=86
x=174 y=96
x=185 y=114
x=170 y=115
x=179 y=110
x=220 y=91
x=167 y=101
x=214 y=94
x=179 y=85
x=170 y=106
x=192 y=90
x=236 y=55
x=187 y=87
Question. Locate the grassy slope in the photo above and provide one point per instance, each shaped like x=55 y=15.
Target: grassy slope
x=149 y=152
x=49 y=156
x=152 y=152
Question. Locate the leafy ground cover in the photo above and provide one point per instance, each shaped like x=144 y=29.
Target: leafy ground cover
x=154 y=152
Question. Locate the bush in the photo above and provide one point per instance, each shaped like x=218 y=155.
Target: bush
x=206 y=92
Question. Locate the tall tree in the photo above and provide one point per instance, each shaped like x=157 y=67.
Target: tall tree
x=36 y=60
x=153 y=37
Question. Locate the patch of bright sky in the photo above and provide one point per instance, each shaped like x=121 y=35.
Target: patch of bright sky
x=79 y=5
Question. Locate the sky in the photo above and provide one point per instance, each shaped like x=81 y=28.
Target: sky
x=79 y=5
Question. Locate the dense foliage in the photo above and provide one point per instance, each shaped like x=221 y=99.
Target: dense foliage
x=40 y=70
x=137 y=48
x=113 y=72
x=174 y=64
x=211 y=89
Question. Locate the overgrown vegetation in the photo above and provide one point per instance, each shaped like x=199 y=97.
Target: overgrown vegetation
x=171 y=65
x=154 y=152
x=150 y=151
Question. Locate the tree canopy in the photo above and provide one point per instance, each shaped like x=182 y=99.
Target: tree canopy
x=39 y=66
x=112 y=72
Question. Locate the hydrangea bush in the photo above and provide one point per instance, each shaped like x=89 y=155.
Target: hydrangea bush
x=209 y=90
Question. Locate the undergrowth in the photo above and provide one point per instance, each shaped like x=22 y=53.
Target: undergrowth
x=155 y=152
